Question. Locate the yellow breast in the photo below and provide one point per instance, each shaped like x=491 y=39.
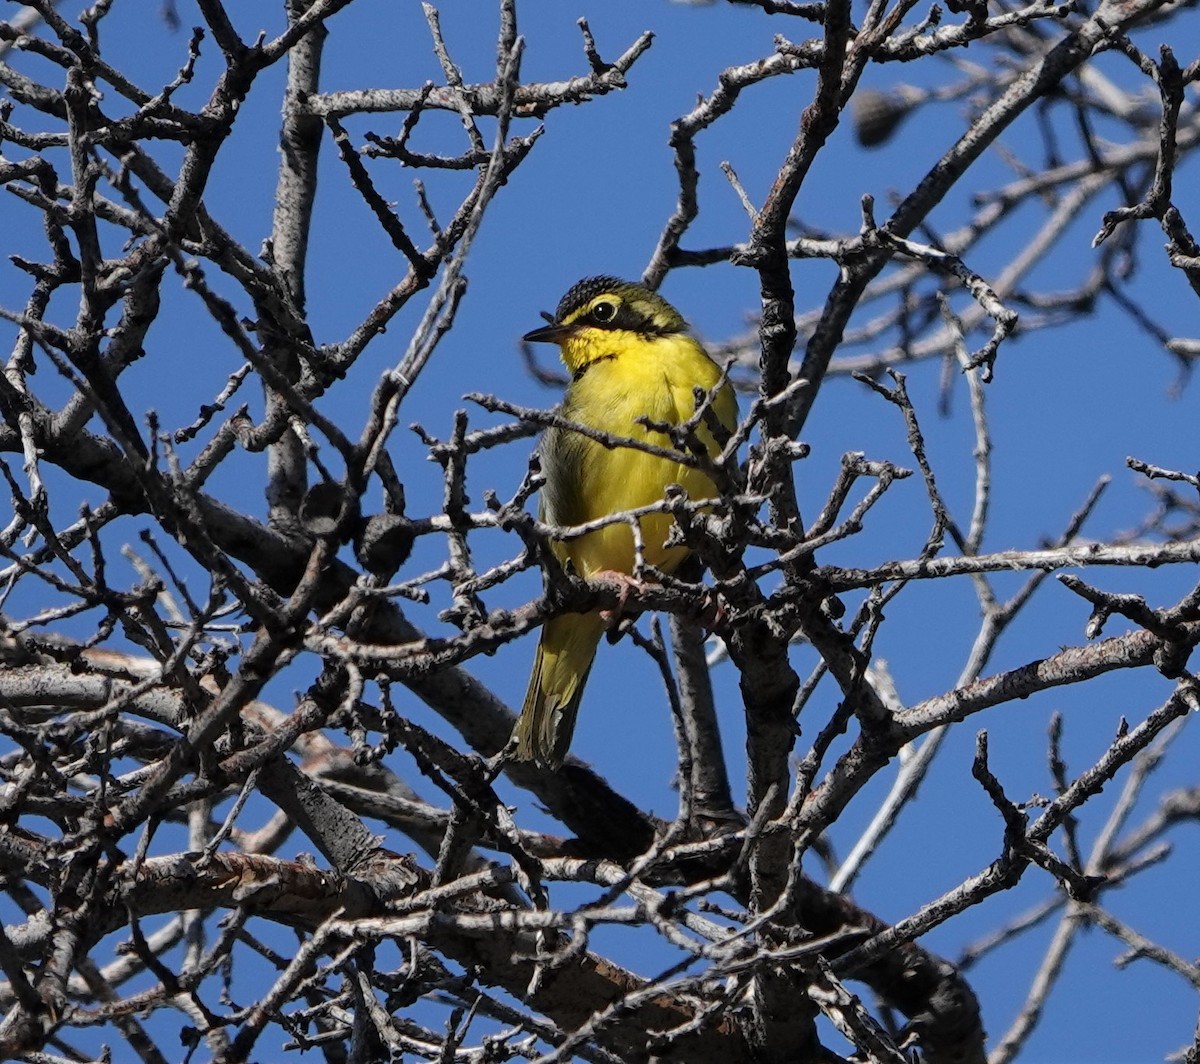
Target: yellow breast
x=618 y=378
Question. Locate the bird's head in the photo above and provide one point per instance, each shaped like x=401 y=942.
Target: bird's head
x=597 y=309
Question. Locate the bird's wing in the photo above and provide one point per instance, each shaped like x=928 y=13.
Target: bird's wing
x=564 y=495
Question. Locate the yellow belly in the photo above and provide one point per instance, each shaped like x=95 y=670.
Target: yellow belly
x=587 y=481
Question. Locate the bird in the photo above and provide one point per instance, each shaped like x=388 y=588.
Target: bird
x=630 y=356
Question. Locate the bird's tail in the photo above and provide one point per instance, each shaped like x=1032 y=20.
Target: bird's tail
x=564 y=659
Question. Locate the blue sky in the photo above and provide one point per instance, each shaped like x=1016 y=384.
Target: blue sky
x=1066 y=407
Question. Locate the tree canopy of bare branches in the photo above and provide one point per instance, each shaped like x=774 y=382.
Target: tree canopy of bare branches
x=273 y=572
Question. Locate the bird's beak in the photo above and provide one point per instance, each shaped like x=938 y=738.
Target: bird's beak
x=548 y=334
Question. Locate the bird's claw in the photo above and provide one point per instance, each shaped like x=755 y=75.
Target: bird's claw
x=712 y=612
x=627 y=583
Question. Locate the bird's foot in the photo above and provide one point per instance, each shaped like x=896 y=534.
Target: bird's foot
x=712 y=611
x=627 y=583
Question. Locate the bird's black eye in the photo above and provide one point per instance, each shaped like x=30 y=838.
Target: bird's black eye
x=604 y=312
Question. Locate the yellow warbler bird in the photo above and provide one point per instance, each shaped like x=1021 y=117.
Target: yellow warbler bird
x=630 y=356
